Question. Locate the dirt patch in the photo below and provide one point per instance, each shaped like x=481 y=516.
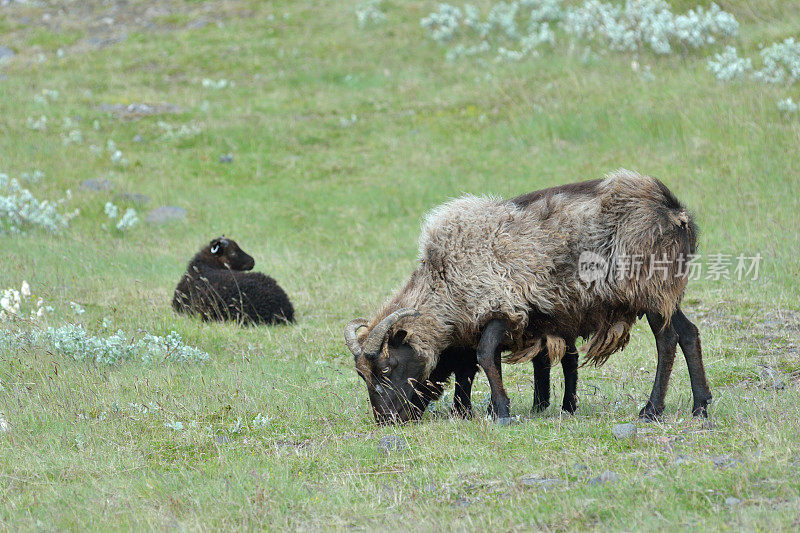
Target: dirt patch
x=103 y=23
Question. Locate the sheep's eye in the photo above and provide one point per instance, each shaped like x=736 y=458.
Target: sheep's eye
x=386 y=370
x=215 y=249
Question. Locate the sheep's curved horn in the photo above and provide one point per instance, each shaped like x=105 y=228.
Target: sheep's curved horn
x=375 y=338
x=351 y=337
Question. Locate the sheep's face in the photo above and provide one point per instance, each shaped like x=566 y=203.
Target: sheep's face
x=398 y=390
x=226 y=254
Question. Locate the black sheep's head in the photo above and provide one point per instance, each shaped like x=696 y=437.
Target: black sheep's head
x=226 y=254
x=395 y=374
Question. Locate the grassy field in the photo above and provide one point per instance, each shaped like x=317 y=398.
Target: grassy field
x=342 y=137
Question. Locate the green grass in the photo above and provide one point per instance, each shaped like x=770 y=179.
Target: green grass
x=333 y=213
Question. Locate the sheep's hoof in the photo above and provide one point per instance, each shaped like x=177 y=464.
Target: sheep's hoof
x=649 y=414
x=539 y=406
x=461 y=412
x=569 y=406
x=700 y=410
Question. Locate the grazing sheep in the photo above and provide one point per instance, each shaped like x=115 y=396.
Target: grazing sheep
x=463 y=364
x=498 y=275
x=216 y=287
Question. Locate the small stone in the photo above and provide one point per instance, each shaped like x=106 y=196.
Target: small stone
x=133 y=197
x=508 y=421
x=138 y=110
x=97 y=185
x=724 y=461
x=100 y=42
x=606 y=477
x=138 y=139
x=624 y=431
x=461 y=502
x=5 y=52
x=771 y=378
x=730 y=501
x=392 y=444
x=226 y=158
x=708 y=425
x=544 y=482
x=165 y=213
x=222 y=439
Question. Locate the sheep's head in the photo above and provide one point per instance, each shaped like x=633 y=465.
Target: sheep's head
x=224 y=253
x=392 y=369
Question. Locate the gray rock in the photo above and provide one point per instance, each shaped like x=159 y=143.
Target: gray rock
x=771 y=378
x=165 y=213
x=133 y=197
x=138 y=109
x=226 y=158
x=100 y=42
x=97 y=185
x=508 y=421
x=392 y=444
x=724 y=461
x=543 y=482
x=138 y=139
x=5 y=52
x=606 y=477
x=624 y=431
x=730 y=501
x=461 y=502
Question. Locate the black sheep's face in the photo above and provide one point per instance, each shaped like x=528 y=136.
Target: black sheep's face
x=398 y=390
x=227 y=254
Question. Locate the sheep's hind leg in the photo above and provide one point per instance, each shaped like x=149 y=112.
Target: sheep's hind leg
x=666 y=343
x=689 y=339
x=489 y=361
x=465 y=376
x=541 y=382
x=569 y=364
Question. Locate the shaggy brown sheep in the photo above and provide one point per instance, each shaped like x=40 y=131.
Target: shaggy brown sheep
x=497 y=275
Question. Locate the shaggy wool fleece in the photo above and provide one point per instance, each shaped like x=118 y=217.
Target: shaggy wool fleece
x=482 y=258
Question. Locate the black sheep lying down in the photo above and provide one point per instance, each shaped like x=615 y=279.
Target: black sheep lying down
x=216 y=286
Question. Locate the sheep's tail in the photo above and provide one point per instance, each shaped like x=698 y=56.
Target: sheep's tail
x=612 y=338
x=554 y=346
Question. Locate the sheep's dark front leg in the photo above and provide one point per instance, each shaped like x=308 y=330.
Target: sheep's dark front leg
x=689 y=339
x=666 y=343
x=465 y=376
x=489 y=360
x=541 y=382
x=569 y=364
